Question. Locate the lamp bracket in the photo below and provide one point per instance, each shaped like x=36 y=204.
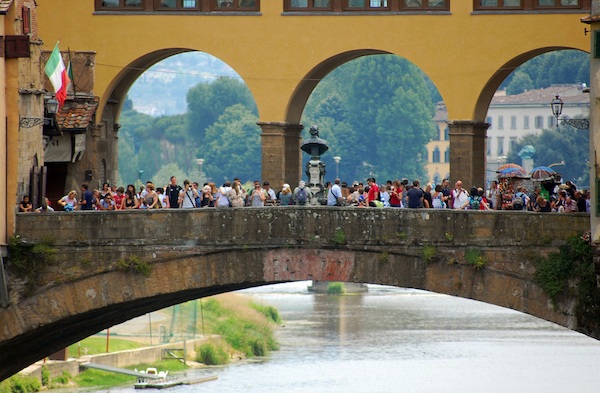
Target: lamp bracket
x=580 y=124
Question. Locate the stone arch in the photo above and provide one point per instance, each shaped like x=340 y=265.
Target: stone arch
x=309 y=82
x=485 y=96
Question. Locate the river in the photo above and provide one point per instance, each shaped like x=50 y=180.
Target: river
x=399 y=340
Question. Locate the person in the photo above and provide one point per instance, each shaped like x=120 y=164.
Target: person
x=25 y=206
x=257 y=197
x=447 y=192
x=106 y=203
x=206 y=197
x=285 y=197
x=396 y=194
x=459 y=196
x=222 y=199
x=520 y=199
x=334 y=194
x=105 y=190
x=237 y=195
x=415 y=196
x=130 y=201
x=69 y=201
x=494 y=195
x=373 y=194
x=384 y=191
x=162 y=198
x=173 y=191
x=151 y=199
x=269 y=193
x=474 y=201
x=542 y=205
x=197 y=201
x=301 y=194
x=45 y=207
x=119 y=198
x=437 y=198
x=188 y=195
x=427 y=196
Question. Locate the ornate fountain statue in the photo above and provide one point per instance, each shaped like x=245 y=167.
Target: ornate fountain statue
x=315 y=168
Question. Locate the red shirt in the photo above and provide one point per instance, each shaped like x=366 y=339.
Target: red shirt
x=373 y=193
x=118 y=200
x=395 y=197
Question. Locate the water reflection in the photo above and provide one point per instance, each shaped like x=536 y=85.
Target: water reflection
x=395 y=340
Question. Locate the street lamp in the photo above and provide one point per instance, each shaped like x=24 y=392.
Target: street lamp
x=337 y=160
x=200 y=162
x=50 y=108
x=557 y=107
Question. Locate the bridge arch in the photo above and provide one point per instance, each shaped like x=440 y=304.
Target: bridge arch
x=85 y=291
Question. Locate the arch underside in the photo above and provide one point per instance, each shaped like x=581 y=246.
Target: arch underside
x=64 y=314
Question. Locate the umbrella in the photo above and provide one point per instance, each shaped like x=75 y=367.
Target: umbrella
x=511 y=172
x=510 y=165
x=542 y=173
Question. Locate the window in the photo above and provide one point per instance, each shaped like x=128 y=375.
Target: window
x=513 y=122
x=26 y=15
x=513 y=143
x=500 y=122
x=489 y=121
x=539 y=122
x=179 y=5
x=526 y=122
x=531 y=5
x=500 y=151
x=551 y=121
x=488 y=146
x=366 y=5
x=437 y=134
x=436 y=154
x=447 y=134
x=447 y=154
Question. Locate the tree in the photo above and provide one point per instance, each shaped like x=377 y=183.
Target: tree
x=234 y=146
x=520 y=83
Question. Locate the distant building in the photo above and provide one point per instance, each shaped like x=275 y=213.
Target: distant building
x=511 y=117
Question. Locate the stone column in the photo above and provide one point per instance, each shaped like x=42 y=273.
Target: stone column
x=281 y=154
x=594 y=23
x=467 y=152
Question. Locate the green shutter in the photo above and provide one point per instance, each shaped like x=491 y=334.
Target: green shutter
x=597 y=44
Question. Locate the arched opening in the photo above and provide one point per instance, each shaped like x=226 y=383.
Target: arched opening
x=377 y=113
x=187 y=115
x=523 y=128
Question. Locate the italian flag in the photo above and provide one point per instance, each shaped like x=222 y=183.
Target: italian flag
x=57 y=73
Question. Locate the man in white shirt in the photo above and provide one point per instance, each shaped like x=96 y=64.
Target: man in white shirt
x=460 y=196
x=188 y=196
x=334 y=193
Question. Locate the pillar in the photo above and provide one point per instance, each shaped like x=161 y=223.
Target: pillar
x=467 y=152
x=281 y=154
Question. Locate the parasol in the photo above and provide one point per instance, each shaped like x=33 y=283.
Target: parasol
x=511 y=172
x=542 y=173
x=510 y=165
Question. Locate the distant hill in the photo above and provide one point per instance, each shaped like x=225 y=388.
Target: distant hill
x=162 y=89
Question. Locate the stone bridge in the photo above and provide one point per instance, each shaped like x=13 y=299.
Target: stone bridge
x=197 y=253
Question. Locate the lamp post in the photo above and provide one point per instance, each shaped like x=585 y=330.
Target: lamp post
x=557 y=107
x=337 y=160
x=50 y=109
x=200 y=162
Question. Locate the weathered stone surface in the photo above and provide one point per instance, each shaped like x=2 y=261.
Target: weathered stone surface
x=197 y=253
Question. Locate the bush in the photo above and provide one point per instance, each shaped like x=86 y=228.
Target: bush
x=336 y=288
x=20 y=384
x=268 y=311
x=212 y=354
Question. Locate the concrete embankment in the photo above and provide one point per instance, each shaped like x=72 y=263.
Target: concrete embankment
x=121 y=359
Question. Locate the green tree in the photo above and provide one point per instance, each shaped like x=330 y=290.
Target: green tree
x=234 y=146
x=520 y=83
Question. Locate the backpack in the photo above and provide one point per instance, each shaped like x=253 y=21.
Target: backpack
x=517 y=201
x=474 y=203
x=302 y=196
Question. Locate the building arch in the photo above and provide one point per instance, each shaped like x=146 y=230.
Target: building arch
x=486 y=94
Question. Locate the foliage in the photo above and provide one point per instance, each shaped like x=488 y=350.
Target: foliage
x=336 y=288
x=99 y=378
x=475 y=259
x=29 y=260
x=574 y=260
x=212 y=354
x=20 y=384
x=339 y=237
x=429 y=253
x=95 y=345
x=45 y=375
x=240 y=325
x=268 y=311
x=135 y=264
x=564 y=143
x=62 y=379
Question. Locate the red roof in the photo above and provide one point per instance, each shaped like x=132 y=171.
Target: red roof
x=76 y=114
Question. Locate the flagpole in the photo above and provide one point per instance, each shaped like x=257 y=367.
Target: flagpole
x=70 y=73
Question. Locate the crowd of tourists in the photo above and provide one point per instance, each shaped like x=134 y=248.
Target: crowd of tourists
x=393 y=194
